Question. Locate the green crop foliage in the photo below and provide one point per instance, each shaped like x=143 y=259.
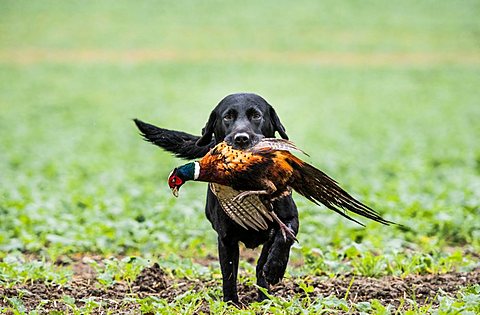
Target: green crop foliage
x=383 y=96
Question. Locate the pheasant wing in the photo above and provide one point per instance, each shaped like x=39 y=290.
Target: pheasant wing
x=250 y=213
x=274 y=144
x=179 y=143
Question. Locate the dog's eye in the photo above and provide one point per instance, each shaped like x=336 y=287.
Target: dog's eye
x=256 y=116
x=228 y=117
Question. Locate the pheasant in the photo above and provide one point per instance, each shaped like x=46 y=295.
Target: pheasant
x=246 y=181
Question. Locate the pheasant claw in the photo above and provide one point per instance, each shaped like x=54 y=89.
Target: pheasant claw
x=286 y=231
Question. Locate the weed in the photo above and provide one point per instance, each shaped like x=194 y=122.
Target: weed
x=383 y=97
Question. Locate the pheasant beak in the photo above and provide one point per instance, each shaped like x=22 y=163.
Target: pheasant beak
x=175 y=191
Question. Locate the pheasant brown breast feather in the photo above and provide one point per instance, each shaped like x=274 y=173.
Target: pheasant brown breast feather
x=225 y=162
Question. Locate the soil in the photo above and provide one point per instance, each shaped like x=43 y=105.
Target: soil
x=155 y=282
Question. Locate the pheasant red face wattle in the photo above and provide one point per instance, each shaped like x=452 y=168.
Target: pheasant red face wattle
x=174 y=182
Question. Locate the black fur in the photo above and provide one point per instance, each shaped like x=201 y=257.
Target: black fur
x=250 y=115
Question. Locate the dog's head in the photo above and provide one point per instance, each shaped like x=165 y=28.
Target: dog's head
x=242 y=120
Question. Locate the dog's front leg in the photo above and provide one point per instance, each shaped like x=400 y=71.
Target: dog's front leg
x=261 y=279
x=277 y=252
x=228 y=253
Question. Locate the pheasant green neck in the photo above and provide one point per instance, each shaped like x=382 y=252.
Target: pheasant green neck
x=189 y=171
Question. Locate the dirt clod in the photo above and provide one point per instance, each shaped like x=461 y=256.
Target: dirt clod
x=152 y=279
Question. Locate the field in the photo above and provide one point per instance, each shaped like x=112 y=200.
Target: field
x=384 y=96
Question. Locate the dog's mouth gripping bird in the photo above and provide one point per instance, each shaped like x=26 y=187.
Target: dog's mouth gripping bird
x=246 y=181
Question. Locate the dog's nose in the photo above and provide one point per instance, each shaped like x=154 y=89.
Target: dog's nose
x=241 y=139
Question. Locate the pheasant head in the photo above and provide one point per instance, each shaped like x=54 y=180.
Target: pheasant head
x=182 y=174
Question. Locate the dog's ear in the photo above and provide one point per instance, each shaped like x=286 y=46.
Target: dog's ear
x=277 y=125
x=207 y=131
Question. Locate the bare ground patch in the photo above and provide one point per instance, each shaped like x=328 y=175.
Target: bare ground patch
x=154 y=282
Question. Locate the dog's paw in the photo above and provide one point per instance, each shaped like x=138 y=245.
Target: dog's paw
x=261 y=296
x=274 y=271
x=232 y=299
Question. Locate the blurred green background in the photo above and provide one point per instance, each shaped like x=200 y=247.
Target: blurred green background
x=383 y=95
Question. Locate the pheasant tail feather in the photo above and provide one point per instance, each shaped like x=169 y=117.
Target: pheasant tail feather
x=318 y=187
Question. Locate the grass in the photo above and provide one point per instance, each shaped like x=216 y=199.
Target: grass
x=383 y=96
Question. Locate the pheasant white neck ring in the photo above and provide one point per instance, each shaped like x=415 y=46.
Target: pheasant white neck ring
x=197 y=170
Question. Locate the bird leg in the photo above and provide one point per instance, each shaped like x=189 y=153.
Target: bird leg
x=270 y=189
x=283 y=228
x=243 y=194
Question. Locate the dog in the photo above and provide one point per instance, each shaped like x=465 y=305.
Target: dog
x=241 y=120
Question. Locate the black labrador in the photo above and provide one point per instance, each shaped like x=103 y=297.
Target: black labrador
x=241 y=120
